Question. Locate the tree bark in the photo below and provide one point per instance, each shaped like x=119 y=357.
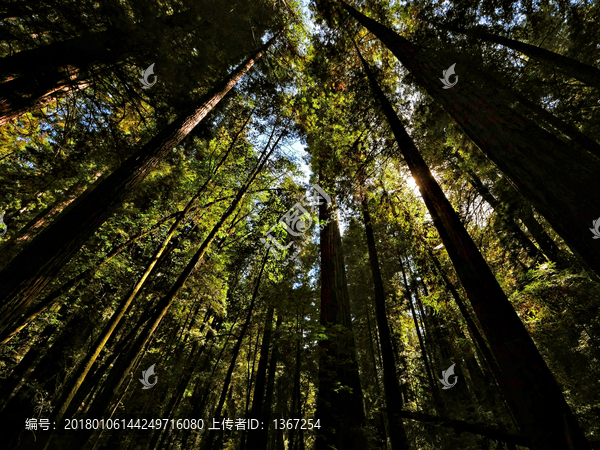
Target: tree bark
x=393 y=398
x=340 y=410
x=533 y=394
x=30 y=79
x=28 y=273
x=559 y=180
x=51 y=298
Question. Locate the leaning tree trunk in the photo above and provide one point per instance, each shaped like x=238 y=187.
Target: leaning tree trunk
x=585 y=73
x=391 y=387
x=86 y=275
x=340 y=411
x=27 y=274
x=533 y=394
x=559 y=180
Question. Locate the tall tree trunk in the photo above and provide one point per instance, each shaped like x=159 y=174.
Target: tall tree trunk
x=47 y=375
x=393 y=398
x=257 y=412
x=585 y=73
x=297 y=435
x=236 y=349
x=263 y=435
x=535 y=397
x=77 y=280
x=340 y=411
x=559 y=180
x=438 y=402
x=27 y=274
x=528 y=385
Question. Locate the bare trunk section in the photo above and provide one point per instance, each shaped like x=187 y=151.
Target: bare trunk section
x=118 y=377
x=112 y=324
x=257 y=412
x=340 y=411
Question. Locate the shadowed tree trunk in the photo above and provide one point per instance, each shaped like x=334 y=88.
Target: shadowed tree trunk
x=393 y=398
x=529 y=386
x=253 y=437
x=51 y=298
x=559 y=180
x=27 y=274
x=439 y=403
x=585 y=73
x=340 y=411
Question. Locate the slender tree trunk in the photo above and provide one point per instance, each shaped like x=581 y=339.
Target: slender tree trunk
x=559 y=180
x=438 y=402
x=535 y=397
x=263 y=435
x=178 y=394
x=297 y=435
x=257 y=411
x=340 y=410
x=236 y=349
x=77 y=280
x=393 y=398
x=27 y=274
x=585 y=73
